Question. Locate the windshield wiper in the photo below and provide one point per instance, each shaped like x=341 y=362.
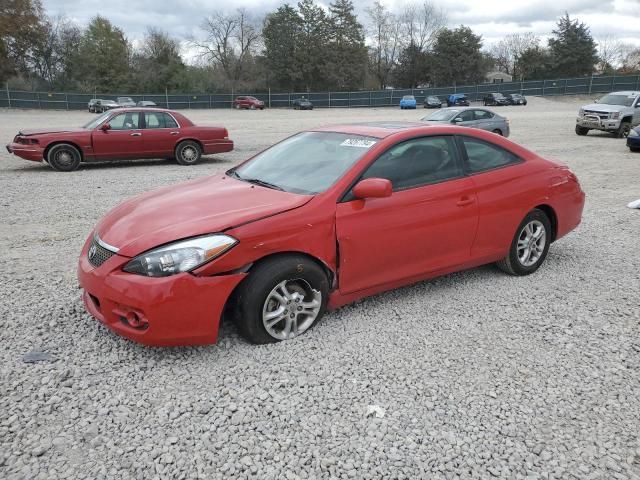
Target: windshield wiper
x=255 y=181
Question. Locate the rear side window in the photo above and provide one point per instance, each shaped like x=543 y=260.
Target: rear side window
x=483 y=115
x=159 y=120
x=483 y=156
x=466 y=115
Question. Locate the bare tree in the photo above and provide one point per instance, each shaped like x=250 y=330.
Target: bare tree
x=508 y=51
x=385 y=31
x=630 y=58
x=421 y=23
x=230 y=41
x=610 y=52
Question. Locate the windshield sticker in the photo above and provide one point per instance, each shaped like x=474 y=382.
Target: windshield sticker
x=358 y=142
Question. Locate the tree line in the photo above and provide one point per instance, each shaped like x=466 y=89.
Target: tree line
x=302 y=47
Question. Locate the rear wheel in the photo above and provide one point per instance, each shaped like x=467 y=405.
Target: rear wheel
x=529 y=246
x=581 y=130
x=64 y=157
x=188 y=152
x=282 y=298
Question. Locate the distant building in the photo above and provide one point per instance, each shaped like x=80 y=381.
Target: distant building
x=498 y=77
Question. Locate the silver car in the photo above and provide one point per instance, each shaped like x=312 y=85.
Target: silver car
x=471 y=117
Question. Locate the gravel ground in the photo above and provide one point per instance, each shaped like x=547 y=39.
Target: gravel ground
x=477 y=374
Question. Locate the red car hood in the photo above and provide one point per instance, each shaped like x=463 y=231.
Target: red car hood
x=201 y=206
x=44 y=131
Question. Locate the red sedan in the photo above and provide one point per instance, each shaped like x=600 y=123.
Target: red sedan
x=319 y=220
x=124 y=133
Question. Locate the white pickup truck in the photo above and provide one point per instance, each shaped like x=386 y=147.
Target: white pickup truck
x=616 y=112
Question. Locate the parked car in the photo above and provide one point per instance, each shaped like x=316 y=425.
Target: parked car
x=126 y=133
x=616 y=112
x=92 y=104
x=302 y=104
x=283 y=237
x=432 y=101
x=102 y=105
x=251 y=103
x=146 y=103
x=457 y=100
x=633 y=140
x=125 y=102
x=408 y=101
x=495 y=99
x=516 y=99
x=474 y=117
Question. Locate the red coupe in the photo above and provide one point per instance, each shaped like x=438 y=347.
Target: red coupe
x=319 y=220
x=123 y=133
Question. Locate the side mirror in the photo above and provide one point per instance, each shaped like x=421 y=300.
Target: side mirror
x=105 y=127
x=456 y=120
x=373 y=188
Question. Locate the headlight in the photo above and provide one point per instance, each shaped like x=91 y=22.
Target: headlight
x=615 y=115
x=181 y=256
x=634 y=133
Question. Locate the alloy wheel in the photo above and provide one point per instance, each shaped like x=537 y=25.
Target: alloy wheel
x=531 y=243
x=290 y=309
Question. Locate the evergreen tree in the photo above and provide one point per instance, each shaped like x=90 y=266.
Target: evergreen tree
x=413 y=68
x=281 y=33
x=572 y=48
x=103 y=58
x=534 y=64
x=348 y=60
x=312 y=53
x=457 y=57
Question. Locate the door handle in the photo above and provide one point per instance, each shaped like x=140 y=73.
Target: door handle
x=136 y=134
x=464 y=201
x=173 y=133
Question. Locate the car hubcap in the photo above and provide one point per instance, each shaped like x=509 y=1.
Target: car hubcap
x=189 y=154
x=290 y=309
x=531 y=243
x=64 y=157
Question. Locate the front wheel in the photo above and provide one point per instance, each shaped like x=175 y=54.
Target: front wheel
x=188 y=152
x=282 y=298
x=64 y=157
x=529 y=246
x=581 y=130
x=623 y=130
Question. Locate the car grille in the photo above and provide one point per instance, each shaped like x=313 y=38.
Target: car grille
x=97 y=254
x=600 y=115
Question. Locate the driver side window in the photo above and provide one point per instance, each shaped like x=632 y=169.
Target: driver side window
x=466 y=115
x=125 y=121
x=417 y=162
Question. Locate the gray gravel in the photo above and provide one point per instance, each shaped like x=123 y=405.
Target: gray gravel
x=478 y=374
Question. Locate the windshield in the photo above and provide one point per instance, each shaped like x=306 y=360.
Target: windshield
x=96 y=121
x=307 y=163
x=433 y=99
x=408 y=97
x=124 y=99
x=498 y=95
x=442 y=115
x=625 y=100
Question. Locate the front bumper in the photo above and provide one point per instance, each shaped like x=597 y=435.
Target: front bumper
x=28 y=152
x=182 y=309
x=597 y=123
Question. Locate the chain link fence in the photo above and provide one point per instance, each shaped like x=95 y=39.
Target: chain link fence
x=370 y=98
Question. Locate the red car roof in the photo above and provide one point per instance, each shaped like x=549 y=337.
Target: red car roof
x=372 y=129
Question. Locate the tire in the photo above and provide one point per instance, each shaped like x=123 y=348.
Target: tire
x=252 y=107
x=521 y=260
x=188 y=152
x=237 y=106
x=581 y=130
x=64 y=157
x=294 y=279
x=623 y=130
x=634 y=149
x=497 y=131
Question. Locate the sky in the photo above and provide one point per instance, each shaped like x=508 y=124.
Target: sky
x=492 y=19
